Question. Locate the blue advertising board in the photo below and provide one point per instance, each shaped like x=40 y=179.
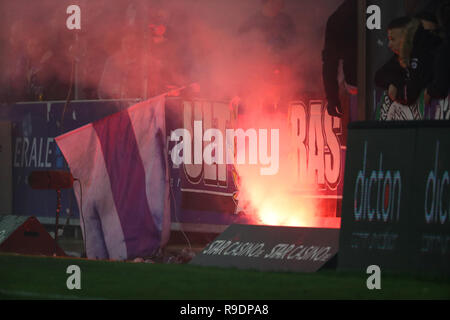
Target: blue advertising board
x=34 y=126
x=202 y=195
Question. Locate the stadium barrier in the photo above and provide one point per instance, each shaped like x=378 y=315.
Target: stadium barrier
x=271 y=248
x=396 y=201
x=205 y=204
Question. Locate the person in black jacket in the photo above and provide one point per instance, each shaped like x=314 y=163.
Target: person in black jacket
x=340 y=44
x=439 y=87
x=410 y=70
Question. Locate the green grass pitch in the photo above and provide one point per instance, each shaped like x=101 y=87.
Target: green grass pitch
x=30 y=277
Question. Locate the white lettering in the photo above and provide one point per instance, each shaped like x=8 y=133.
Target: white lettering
x=74 y=20
x=73 y=281
x=374 y=20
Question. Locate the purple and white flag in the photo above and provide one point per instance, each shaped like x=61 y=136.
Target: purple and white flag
x=121 y=163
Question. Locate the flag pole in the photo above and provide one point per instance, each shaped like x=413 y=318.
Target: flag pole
x=179 y=89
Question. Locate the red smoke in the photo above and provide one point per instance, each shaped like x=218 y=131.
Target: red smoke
x=182 y=42
x=276 y=199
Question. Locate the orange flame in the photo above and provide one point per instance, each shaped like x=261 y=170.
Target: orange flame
x=273 y=200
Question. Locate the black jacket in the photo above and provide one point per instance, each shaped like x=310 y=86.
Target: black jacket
x=440 y=86
x=340 y=43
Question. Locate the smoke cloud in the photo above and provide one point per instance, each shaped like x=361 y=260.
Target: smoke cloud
x=137 y=49
x=202 y=43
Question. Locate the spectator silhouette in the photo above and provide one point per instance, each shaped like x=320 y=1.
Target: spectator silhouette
x=439 y=87
x=410 y=69
x=340 y=45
